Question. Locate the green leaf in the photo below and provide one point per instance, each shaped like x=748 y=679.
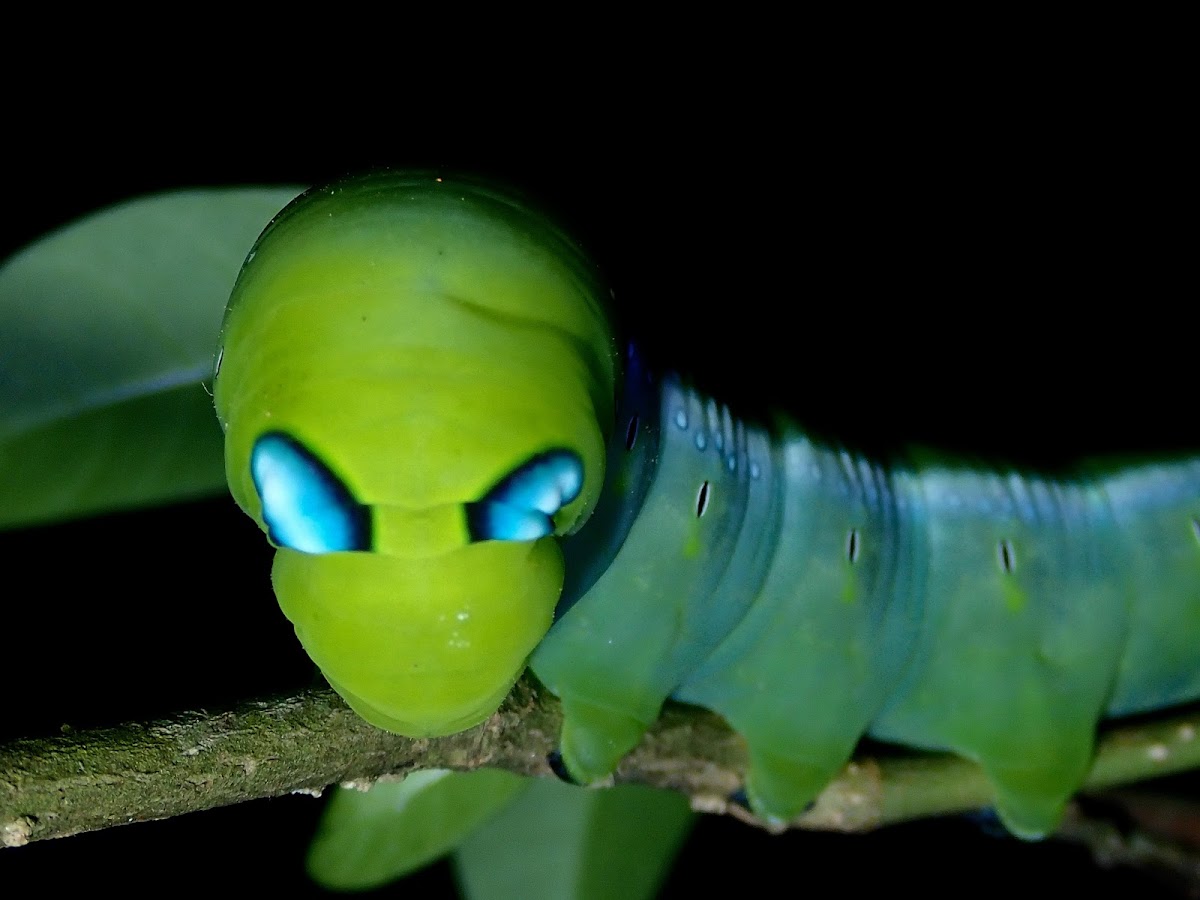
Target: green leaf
x=559 y=842
x=368 y=839
x=107 y=333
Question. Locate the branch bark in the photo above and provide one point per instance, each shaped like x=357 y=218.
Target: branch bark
x=74 y=782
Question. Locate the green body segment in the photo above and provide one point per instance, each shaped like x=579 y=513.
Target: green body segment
x=1049 y=604
x=662 y=605
x=1025 y=620
x=830 y=631
x=422 y=339
x=1156 y=511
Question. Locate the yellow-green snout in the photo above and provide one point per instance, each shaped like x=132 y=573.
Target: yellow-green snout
x=428 y=646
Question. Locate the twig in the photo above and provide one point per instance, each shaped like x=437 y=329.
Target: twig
x=82 y=781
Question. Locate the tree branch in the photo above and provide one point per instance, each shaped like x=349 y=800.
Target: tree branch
x=75 y=782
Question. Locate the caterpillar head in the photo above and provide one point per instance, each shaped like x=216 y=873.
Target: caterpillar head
x=414 y=378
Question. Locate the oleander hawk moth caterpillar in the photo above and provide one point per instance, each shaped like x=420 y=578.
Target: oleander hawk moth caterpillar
x=427 y=412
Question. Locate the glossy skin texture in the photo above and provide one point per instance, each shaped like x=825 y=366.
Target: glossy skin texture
x=812 y=596
x=418 y=388
x=396 y=348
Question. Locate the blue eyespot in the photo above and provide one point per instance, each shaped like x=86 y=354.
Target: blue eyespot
x=521 y=506
x=306 y=507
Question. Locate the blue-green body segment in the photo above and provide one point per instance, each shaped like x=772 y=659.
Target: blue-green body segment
x=812 y=596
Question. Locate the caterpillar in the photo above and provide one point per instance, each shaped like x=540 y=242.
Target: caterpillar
x=463 y=471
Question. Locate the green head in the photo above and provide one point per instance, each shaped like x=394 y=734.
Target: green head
x=415 y=379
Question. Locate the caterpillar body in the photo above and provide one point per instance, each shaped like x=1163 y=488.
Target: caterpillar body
x=426 y=410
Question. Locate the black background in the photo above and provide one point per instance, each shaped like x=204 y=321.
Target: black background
x=1000 y=271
